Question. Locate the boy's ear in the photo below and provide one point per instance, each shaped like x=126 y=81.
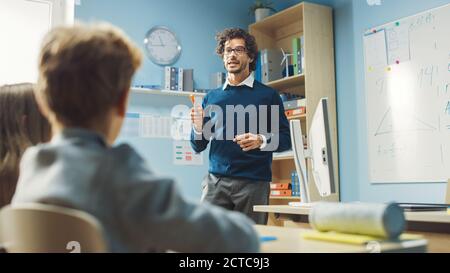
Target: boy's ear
x=123 y=102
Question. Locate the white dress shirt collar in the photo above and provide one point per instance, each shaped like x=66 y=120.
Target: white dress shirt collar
x=248 y=82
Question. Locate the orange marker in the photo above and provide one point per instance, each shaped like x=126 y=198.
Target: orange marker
x=192 y=97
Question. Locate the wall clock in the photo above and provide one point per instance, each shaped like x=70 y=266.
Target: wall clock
x=162 y=45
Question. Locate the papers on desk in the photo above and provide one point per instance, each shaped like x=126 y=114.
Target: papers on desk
x=354 y=239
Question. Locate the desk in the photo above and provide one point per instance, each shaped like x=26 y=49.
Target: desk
x=434 y=225
x=289 y=240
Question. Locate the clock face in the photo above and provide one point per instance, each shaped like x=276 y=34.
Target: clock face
x=162 y=46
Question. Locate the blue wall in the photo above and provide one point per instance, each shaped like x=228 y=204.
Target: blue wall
x=195 y=22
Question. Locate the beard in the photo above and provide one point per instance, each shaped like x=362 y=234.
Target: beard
x=236 y=69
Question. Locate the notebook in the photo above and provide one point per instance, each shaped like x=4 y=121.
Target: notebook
x=354 y=239
x=423 y=207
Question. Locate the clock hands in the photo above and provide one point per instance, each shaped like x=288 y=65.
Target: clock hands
x=160 y=40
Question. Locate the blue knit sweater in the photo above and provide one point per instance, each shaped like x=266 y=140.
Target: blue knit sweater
x=226 y=158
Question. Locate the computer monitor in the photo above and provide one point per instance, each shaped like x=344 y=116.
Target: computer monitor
x=318 y=152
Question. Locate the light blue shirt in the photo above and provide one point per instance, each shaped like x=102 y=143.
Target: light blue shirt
x=138 y=210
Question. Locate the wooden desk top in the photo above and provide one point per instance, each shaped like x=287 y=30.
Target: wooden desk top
x=289 y=240
x=423 y=216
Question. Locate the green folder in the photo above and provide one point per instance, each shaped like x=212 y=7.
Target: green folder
x=295 y=57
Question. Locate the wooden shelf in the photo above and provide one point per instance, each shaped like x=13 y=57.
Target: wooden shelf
x=283 y=156
x=289 y=82
x=285 y=197
x=314 y=23
x=278 y=23
x=165 y=92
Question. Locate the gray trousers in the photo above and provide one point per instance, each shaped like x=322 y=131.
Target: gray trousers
x=237 y=194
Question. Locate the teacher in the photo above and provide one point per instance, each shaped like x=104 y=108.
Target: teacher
x=245 y=123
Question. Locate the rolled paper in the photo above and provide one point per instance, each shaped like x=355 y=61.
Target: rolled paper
x=380 y=220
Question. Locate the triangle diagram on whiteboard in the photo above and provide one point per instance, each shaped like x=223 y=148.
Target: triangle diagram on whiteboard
x=406 y=123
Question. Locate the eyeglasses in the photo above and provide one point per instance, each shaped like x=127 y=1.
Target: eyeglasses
x=239 y=50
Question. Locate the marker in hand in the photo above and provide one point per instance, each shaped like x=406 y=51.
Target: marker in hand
x=196 y=114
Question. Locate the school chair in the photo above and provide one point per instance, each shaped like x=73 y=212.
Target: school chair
x=39 y=228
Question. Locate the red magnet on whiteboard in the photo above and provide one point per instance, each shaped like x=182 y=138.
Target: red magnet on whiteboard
x=397 y=62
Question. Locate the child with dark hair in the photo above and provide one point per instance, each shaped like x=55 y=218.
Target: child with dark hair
x=21 y=126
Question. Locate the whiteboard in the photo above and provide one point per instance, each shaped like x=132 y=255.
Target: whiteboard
x=407 y=88
x=23 y=24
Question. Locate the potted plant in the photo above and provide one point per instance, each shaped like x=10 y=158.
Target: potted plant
x=261 y=9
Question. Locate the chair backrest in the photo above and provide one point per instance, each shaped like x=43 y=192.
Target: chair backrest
x=39 y=228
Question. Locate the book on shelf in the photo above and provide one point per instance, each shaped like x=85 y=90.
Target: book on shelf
x=295 y=112
x=280 y=186
x=173 y=77
x=301 y=56
x=180 y=79
x=298 y=50
x=293 y=104
x=166 y=79
x=295 y=184
x=188 y=79
x=271 y=69
x=296 y=61
x=280 y=193
x=257 y=73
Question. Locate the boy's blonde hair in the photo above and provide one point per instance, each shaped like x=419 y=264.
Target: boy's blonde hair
x=84 y=70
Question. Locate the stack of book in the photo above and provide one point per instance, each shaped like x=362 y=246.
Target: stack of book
x=294 y=107
x=178 y=79
x=280 y=189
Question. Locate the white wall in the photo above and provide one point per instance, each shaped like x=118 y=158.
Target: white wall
x=23 y=23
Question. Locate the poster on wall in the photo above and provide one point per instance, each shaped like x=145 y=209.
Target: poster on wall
x=184 y=155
